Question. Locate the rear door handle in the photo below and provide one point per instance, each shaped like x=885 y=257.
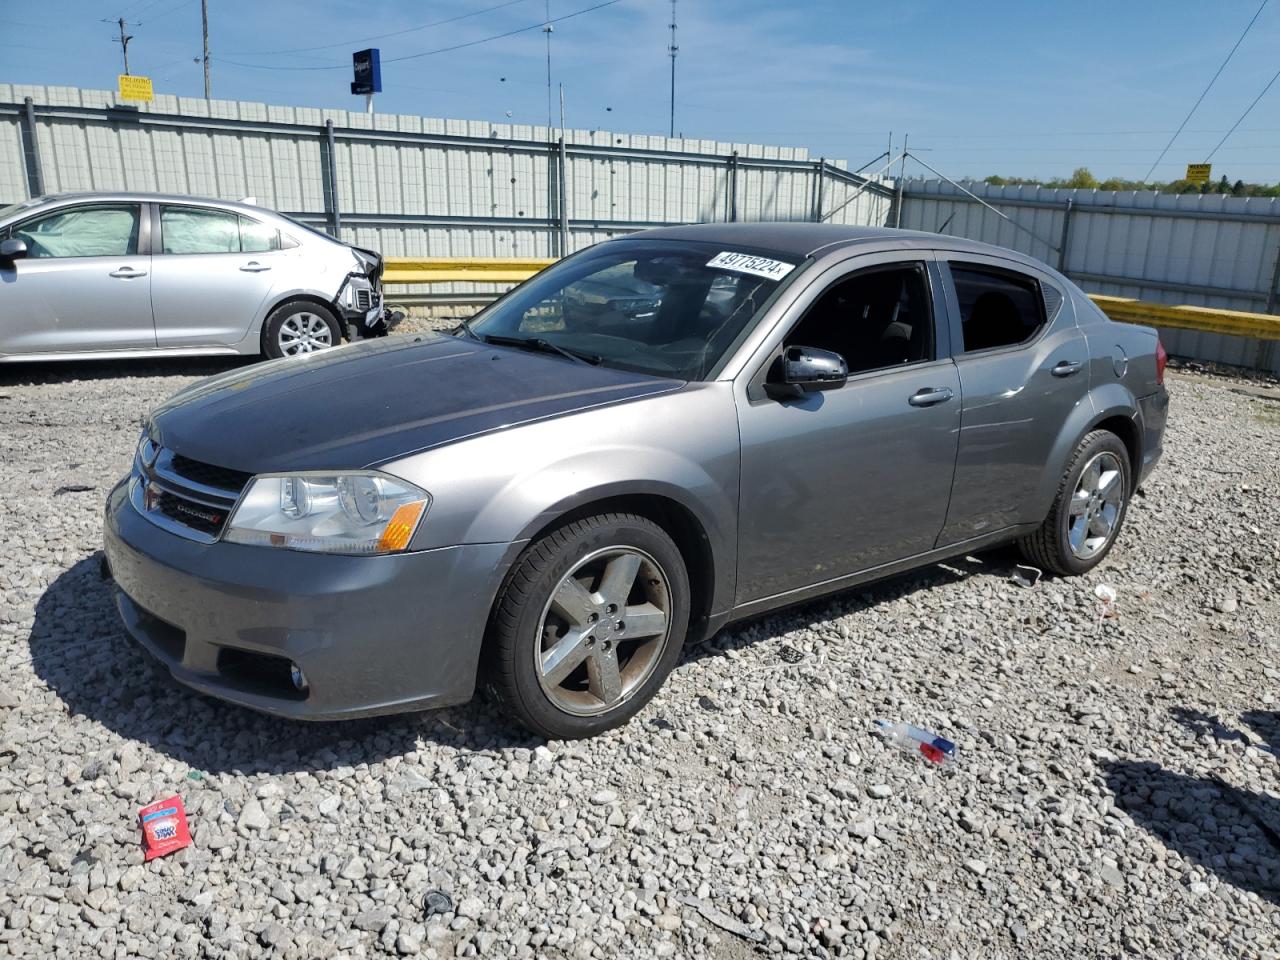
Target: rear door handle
x=126 y=273
x=1065 y=368
x=253 y=266
x=928 y=396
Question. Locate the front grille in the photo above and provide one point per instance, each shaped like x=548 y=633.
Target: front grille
x=188 y=497
x=209 y=475
x=190 y=513
x=364 y=299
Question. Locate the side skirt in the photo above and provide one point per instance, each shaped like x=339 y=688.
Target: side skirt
x=837 y=584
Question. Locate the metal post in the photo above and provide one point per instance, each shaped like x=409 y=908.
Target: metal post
x=822 y=177
x=902 y=179
x=1272 y=295
x=733 y=187
x=1066 y=235
x=204 y=30
x=31 y=149
x=333 y=205
x=564 y=199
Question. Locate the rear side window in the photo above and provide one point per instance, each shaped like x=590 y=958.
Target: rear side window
x=996 y=309
x=198 y=230
x=257 y=237
x=192 y=230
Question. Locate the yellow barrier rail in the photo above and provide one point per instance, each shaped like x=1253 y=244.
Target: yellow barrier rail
x=1262 y=326
x=471 y=269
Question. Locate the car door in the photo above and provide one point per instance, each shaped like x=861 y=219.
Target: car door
x=1023 y=368
x=843 y=480
x=213 y=272
x=83 y=285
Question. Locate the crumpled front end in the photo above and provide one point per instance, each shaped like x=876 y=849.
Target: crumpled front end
x=359 y=300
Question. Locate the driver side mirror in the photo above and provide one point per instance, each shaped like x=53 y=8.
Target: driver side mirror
x=801 y=369
x=12 y=249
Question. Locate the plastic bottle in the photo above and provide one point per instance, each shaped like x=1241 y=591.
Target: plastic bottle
x=904 y=736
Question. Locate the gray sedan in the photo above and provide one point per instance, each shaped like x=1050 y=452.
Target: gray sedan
x=645 y=442
x=111 y=275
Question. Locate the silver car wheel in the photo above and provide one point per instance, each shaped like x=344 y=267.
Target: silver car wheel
x=303 y=333
x=603 y=631
x=1095 y=506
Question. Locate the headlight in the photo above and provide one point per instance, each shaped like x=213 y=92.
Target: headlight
x=361 y=513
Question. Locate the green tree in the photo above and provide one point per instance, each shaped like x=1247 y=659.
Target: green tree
x=1082 y=179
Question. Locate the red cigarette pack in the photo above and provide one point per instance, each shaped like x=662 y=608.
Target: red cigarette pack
x=164 y=827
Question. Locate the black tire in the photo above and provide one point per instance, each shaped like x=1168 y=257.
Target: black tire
x=1049 y=547
x=514 y=644
x=296 y=309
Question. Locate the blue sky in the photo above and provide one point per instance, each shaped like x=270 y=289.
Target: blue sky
x=1019 y=88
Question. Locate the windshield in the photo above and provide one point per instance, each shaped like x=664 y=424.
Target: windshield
x=670 y=309
x=6 y=212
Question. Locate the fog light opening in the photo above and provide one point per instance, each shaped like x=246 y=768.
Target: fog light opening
x=298 y=677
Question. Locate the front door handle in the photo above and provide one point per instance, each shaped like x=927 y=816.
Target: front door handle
x=1065 y=368
x=253 y=266
x=928 y=396
x=127 y=273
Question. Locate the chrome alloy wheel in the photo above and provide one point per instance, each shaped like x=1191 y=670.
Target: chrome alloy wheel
x=603 y=631
x=303 y=333
x=1095 y=506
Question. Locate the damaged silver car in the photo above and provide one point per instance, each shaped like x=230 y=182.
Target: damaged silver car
x=117 y=275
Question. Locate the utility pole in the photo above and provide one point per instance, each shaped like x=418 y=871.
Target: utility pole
x=902 y=177
x=124 y=43
x=672 y=49
x=204 y=30
x=548 y=29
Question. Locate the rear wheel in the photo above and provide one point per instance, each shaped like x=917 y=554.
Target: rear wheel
x=1088 y=511
x=300 y=327
x=588 y=625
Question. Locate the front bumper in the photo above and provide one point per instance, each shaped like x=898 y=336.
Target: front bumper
x=372 y=635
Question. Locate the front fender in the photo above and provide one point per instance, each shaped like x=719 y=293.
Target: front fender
x=506 y=486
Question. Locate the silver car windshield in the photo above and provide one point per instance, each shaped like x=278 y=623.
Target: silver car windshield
x=670 y=309
x=7 y=212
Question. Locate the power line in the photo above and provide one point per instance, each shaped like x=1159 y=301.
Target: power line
x=431 y=53
x=174 y=9
x=1273 y=79
x=376 y=36
x=1204 y=92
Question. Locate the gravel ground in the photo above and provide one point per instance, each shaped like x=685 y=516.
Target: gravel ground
x=1114 y=793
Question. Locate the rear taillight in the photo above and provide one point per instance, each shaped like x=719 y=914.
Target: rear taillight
x=1162 y=358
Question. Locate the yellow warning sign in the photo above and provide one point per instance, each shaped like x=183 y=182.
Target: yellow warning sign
x=1199 y=172
x=135 y=88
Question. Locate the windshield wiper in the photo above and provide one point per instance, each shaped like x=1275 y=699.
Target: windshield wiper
x=465 y=326
x=546 y=346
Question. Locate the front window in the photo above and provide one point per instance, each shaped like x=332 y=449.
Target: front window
x=670 y=309
x=98 y=231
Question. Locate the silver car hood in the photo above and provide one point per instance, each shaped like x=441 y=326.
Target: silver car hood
x=378 y=400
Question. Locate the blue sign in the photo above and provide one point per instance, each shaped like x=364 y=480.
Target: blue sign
x=367 y=68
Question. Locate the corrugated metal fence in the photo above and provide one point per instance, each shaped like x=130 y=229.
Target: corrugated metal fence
x=413 y=186
x=420 y=187
x=1211 y=250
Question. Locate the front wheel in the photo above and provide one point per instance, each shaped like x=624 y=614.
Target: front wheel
x=1088 y=511
x=296 y=328
x=588 y=625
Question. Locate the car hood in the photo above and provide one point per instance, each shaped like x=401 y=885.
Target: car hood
x=378 y=400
